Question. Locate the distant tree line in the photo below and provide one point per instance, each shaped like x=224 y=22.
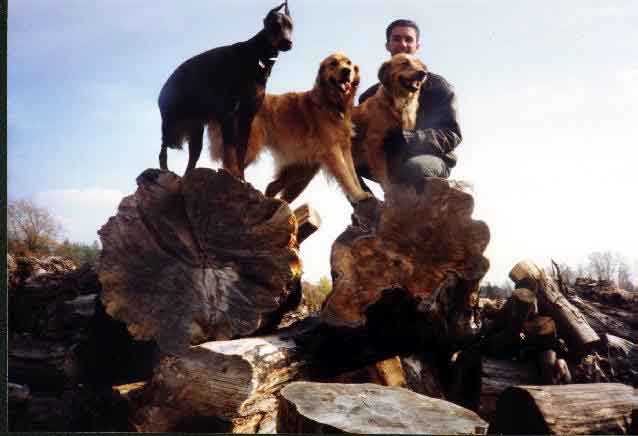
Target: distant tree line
x=34 y=231
x=601 y=265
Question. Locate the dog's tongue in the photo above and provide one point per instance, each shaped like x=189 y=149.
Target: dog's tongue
x=346 y=87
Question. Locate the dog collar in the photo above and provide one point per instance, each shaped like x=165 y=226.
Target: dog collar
x=271 y=61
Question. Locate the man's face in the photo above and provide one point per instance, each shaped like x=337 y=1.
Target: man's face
x=402 y=40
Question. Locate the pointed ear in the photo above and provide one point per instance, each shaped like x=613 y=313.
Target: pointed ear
x=384 y=74
x=286 y=10
x=276 y=8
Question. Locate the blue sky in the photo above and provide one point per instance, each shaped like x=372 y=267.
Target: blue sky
x=547 y=90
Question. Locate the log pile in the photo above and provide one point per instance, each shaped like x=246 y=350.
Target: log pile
x=197 y=324
x=64 y=351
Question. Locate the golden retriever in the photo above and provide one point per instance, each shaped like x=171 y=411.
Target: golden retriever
x=306 y=131
x=394 y=105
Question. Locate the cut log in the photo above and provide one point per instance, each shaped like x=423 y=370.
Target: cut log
x=426 y=244
x=200 y=258
x=596 y=408
x=540 y=333
x=308 y=221
x=367 y=409
x=509 y=324
x=18 y=397
x=571 y=323
x=223 y=385
x=498 y=375
x=607 y=318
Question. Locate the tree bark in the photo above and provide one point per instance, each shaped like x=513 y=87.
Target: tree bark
x=596 y=408
x=426 y=244
x=572 y=325
x=221 y=385
x=367 y=409
x=200 y=258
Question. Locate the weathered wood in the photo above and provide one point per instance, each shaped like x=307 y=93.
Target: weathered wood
x=425 y=243
x=608 y=318
x=596 y=408
x=367 y=409
x=200 y=258
x=308 y=221
x=572 y=325
x=422 y=376
x=387 y=372
x=499 y=375
x=224 y=384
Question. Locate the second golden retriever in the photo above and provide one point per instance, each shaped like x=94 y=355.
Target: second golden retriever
x=394 y=105
x=306 y=131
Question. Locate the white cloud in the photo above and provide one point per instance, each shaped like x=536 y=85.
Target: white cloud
x=83 y=197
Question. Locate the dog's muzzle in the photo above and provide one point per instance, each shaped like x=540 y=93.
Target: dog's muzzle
x=414 y=82
x=285 y=45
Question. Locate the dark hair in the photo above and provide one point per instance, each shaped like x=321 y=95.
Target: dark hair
x=401 y=23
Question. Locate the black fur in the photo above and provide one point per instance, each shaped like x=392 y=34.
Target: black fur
x=226 y=85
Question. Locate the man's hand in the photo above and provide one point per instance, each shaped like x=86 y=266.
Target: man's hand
x=413 y=140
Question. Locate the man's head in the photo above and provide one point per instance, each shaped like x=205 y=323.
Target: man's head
x=402 y=36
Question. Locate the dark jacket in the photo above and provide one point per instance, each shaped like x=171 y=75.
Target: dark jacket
x=437 y=118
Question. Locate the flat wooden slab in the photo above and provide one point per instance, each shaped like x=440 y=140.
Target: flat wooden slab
x=307 y=407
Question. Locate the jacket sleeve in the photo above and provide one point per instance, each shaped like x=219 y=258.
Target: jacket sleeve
x=368 y=93
x=438 y=129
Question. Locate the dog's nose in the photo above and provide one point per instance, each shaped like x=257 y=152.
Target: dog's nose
x=345 y=72
x=286 y=44
x=421 y=75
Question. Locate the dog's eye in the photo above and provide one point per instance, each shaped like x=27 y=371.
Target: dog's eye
x=333 y=63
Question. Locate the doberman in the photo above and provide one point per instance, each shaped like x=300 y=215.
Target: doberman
x=226 y=86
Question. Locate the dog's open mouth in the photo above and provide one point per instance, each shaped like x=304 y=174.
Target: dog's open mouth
x=413 y=83
x=344 y=85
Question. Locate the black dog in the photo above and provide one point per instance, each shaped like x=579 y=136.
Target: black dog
x=225 y=85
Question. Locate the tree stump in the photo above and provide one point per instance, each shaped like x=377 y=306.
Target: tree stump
x=205 y=257
x=596 y=408
x=425 y=244
x=367 y=409
x=572 y=325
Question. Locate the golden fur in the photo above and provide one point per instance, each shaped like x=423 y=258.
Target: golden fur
x=306 y=131
x=394 y=105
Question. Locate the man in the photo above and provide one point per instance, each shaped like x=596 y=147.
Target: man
x=426 y=151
